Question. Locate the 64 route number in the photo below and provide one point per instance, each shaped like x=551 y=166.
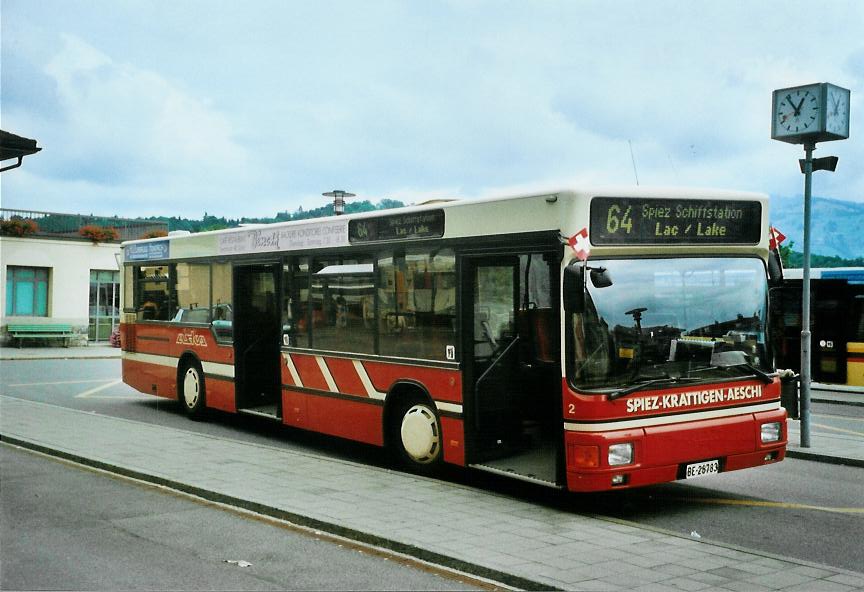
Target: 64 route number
x=617 y=219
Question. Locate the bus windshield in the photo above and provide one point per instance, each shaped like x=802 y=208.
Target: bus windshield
x=669 y=319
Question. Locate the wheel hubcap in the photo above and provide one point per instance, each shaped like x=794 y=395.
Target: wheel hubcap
x=191 y=387
x=420 y=437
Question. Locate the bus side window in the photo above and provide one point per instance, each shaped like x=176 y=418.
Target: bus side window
x=295 y=307
x=417 y=303
x=192 y=289
x=153 y=293
x=222 y=313
x=340 y=288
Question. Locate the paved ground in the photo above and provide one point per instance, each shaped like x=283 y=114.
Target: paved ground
x=58 y=353
x=477 y=531
x=81 y=529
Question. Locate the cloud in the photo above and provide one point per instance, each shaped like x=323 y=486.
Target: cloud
x=173 y=108
x=125 y=131
x=138 y=125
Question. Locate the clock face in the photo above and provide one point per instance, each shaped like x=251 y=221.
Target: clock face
x=837 y=116
x=797 y=111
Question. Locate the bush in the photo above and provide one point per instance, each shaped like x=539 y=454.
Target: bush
x=18 y=227
x=99 y=234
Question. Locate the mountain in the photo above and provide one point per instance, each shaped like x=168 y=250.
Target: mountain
x=836 y=226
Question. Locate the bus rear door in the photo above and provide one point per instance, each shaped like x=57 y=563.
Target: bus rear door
x=257 y=339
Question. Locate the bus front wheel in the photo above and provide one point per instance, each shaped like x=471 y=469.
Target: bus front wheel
x=416 y=435
x=192 y=390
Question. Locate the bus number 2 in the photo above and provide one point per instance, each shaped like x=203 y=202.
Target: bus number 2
x=571 y=408
x=615 y=219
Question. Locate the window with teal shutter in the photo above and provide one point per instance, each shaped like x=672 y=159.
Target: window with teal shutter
x=26 y=291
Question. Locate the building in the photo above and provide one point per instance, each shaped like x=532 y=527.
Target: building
x=63 y=269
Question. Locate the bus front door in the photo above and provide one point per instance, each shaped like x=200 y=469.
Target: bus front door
x=257 y=335
x=512 y=386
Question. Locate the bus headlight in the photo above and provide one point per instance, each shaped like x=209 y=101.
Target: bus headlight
x=770 y=432
x=620 y=454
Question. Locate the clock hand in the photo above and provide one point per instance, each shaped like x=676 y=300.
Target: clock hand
x=791 y=104
x=798 y=108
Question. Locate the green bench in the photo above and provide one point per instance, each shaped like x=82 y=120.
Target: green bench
x=22 y=332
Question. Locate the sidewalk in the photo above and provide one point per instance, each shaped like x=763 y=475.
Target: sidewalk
x=837 y=393
x=835 y=448
x=94 y=351
x=829 y=443
x=521 y=544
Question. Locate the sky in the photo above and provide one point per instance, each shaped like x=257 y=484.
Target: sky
x=181 y=107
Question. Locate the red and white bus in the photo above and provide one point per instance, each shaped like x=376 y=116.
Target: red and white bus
x=581 y=339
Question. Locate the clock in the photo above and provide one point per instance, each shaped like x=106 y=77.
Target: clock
x=797 y=113
x=810 y=113
x=837 y=114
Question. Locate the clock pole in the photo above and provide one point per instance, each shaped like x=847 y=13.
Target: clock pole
x=805 y=300
x=805 y=115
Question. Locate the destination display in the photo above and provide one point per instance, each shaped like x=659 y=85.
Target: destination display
x=643 y=221
x=146 y=251
x=397 y=227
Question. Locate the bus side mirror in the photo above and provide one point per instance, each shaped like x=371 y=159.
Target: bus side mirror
x=574 y=289
x=600 y=277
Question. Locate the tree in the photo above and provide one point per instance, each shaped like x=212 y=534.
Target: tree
x=786 y=253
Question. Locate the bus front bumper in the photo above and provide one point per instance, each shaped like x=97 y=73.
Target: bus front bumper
x=663 y=453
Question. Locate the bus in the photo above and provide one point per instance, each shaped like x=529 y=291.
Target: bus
x=582 y=339
x=836 y=321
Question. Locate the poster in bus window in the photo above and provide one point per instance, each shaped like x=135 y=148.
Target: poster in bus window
x=282 y=238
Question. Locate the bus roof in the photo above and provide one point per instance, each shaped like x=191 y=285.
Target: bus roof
x=536 y=211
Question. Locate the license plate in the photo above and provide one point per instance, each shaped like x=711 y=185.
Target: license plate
x=701 y=469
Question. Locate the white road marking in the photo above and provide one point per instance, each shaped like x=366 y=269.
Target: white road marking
x=60 y=382
x=88 y=393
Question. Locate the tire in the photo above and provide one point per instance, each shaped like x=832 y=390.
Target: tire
x=415 y=436
x=192 y=390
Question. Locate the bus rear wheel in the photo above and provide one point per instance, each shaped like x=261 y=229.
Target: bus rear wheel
x=192 y=390
x=415 y=435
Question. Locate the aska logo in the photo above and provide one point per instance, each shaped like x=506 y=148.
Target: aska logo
x=191 y=338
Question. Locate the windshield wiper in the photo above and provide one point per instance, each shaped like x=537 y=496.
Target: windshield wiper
x=758 y=372
x=642 y=384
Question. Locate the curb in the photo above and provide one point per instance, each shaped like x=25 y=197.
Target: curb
x=298 y=519
x=824 y=458
x=837 y=402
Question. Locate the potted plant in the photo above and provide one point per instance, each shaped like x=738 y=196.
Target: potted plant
x=99 y=234
x=18 y=227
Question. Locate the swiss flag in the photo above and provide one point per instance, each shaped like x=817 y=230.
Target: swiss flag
x=579 y=243
x=775 y=237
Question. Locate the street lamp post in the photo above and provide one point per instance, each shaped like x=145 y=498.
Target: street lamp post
x=338 y=196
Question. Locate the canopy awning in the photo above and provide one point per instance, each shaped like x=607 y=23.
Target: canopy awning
x=12 y=146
